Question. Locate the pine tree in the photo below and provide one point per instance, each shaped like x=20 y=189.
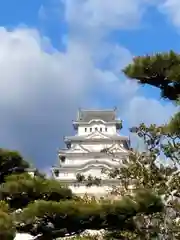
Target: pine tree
x=47 y=209
x=147 y=170
x=162 y=71
x=11 y=162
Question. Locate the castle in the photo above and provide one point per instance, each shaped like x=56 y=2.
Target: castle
x=97 y=145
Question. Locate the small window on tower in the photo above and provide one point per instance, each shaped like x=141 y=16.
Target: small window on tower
x=106 y=129
x=96 y=129
x=90 y=129
x=100 y=129
x=85 y=129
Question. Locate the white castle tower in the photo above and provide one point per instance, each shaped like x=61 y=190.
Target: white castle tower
x=96 y=146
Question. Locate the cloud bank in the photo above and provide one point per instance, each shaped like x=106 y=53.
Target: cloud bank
x=42 y=87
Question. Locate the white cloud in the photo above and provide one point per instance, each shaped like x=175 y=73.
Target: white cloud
x=92 y=20
x=25 y=68
x=149 y=111
x=104 y=14
x=172 y=9
x=41 y=90
x=41 y=87
x=113 y=57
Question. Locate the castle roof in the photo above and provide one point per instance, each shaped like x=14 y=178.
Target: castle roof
x=85 y=139
x=88 y=115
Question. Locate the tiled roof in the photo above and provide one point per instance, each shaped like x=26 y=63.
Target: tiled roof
x=82 y=138
x=88 y=115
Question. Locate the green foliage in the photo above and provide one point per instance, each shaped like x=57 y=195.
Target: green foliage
x=89 y=181
x=84 y=238
x=174 y=125
x=147 y=171
x=160 y=70
x=158 y=140
x=56 y=219
x=4 y=207
x=7 y=229
x=19 y=190
x=48 y=208
x=11 y=162
x=122 y=235
x=80 y=177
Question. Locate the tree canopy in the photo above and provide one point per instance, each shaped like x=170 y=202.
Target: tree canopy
x=157 y=168
x=57 y=219
x=147 y=170
x=47 y=209
x=161 y=70
x=21 y=189
x=11 y=162
x=7 y=228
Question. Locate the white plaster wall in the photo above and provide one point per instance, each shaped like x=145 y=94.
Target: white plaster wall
x=93 y=172
x=66 y=176
x=96 y=171
x=81 y=130
x=91 y=146
x=111 y=129
x=96 y=147
x=94 y=190
x=23 y=236
x=102 y=190
x=82 y=161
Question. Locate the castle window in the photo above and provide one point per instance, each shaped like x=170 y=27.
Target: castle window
x=62 y=158
x=100 y=129
x=56 y=172
x=90 y=129
x=106 y=129
x=68 y=145
x=96 y=129
x=85 y=129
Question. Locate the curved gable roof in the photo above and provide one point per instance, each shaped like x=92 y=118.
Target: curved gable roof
x=88 y=115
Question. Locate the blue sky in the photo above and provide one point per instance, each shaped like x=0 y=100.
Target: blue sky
x=56 y=56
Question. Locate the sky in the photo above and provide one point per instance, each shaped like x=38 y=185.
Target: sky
x=59 y=55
